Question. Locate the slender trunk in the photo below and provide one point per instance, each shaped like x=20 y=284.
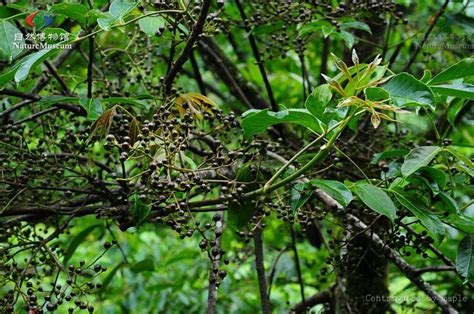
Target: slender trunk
x=262 y=283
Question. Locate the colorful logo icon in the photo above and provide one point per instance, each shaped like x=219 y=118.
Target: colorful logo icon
x=39 y=19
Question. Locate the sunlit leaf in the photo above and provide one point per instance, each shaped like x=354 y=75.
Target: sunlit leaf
x=317 y=102
x=151 y=24
x=376 y=199
x=8 y=49
x=419 y=157
x=257 y=121
x=335 y=189
x=406 y=90
x=462 y=69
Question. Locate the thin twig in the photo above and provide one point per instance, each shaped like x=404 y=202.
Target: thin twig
x=273 y=269
x=434 y=269
x=297 y=262
x=196 y=32
x=427 y=34
x=197 y=73
x=90 y=67
x=256 y=53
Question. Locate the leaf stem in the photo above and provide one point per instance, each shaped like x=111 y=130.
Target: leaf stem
x=342 y=123
x=323 y=151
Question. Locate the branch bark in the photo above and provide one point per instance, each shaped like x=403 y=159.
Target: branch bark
x=195 y=34
x=256 y=53
x=262 y=282
x=409 y=271
x=318 y=298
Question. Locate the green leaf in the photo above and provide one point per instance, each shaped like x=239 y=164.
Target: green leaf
x=8 y=48
x=356 y=25
x=450 y=204
x=106 y=22
x=454 y=109
x=25 y=64
x=466 y=170
x=348 y=38
x=139 y=210
x=257 y=121
x=109 y=278
x=76 y=241
x=463 y=68
x=405 y=90
x=318 y=100
x=93 y=108
x=426 y=76
x=335 y=189
x=376 y=199
x=420 y=181
x=239 y=214
x=144 y=265
x=388 y=155
x=376 y=93
x=460 y=222
x=120 y=8
x=117 y=11
x=419 y=157
x=460 y=156
x=431 y=222
x=328 y=30
x=75 y=11
x=151 y=24
x=465 y=91
x=48 y=100
x=435 y=175
x=465 y=258
x=372 y=75
x=296 y=199
x=270 y=28
x=8 y=11
x=312 y=27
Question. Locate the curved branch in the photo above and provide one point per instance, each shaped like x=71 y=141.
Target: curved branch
x=318 y=298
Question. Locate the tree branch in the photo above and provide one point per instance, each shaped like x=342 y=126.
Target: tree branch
x=427 y=34
x=297 y=262
x=434 y=269
x=318 y=298
x=196 y=32
x=409 y=271
x=90 y=67
x=262 y=282
x=256 y=53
